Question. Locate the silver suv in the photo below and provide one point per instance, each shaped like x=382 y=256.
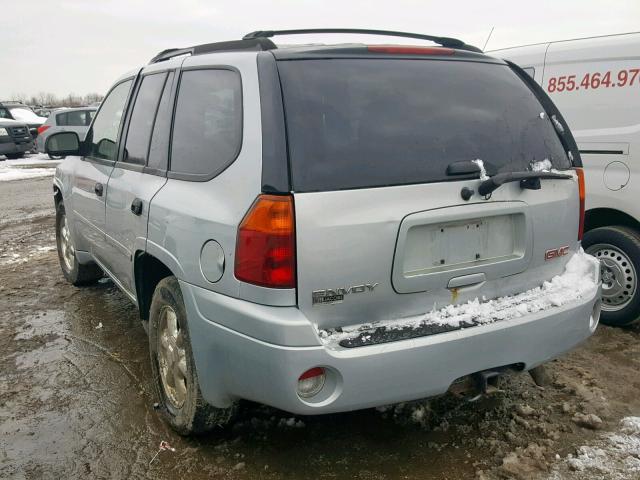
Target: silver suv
x=332 y=227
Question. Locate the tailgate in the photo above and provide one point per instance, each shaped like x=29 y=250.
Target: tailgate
x=417 y=247
x=380 y=149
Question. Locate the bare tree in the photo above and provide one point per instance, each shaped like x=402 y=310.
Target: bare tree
x=49 y=99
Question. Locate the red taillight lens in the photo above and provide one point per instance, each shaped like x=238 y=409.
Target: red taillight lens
x=42 y=128
x=410 y=50
x=581 y=192
x=265 y=249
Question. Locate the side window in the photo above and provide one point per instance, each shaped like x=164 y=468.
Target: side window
x=61 y=120
x=142 y=117
x=159 y=148
x=104 y=134
x=4 y=113
x=76 y=118
x=89 y=117
x=207 y=128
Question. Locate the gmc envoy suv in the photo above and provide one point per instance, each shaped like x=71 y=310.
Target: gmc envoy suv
x=331 y=227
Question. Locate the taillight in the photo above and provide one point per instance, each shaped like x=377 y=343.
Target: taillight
x=42 y=128
x=581 y=192
x=410 y=50
x=265 y=248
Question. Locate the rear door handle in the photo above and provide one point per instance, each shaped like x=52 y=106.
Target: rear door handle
x=136 y=206
x=98 y=188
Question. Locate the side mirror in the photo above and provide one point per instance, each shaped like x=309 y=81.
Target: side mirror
x=62 y=144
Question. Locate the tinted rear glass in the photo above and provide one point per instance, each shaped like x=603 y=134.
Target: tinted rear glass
x=354 y=123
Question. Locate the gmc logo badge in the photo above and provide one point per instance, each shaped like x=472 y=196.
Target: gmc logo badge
x=556 y=252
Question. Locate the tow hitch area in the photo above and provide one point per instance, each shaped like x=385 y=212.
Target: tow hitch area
x=477 y=385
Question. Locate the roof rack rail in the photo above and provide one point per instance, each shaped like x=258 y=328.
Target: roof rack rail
x=443 y=41
x=251 y=44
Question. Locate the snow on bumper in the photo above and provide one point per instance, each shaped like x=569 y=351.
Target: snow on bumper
x=580 y=279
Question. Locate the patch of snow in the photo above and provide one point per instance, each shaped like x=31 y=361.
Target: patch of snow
x=33 y=166
x=8 y=258
x=542 y=166
x=291 y=423
x=614 y=456
x=579 y=279
x=483 y=171
x=26 y=115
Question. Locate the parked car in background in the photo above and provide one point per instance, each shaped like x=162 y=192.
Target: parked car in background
x=413 y=222
x=42 y=111
x=15 y=138
x=22 y=113
x=595 y=82
x=65 y=120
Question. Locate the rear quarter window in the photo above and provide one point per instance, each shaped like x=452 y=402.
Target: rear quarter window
x=207 y=126
x=356 y=123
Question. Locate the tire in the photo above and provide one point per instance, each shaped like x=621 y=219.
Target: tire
x=56 y=157
x=73 y=271
x=618 y=249
x=179 y=396
x=14 y=156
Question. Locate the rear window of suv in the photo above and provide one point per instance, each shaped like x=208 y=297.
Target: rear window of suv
x=356 y=123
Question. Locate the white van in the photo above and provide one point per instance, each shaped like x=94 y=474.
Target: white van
x=595 y=82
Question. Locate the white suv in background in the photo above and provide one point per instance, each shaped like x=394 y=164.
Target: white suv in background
x=595 y=82
x=65 y=120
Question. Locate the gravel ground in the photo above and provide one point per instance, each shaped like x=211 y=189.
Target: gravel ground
x=75 y=398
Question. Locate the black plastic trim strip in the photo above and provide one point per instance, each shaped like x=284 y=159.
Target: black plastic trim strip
x=276 y=175
x=602 y=152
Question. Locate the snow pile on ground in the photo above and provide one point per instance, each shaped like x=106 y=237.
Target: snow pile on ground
x=11 y=255
x=579 y=279
x=615 y=456
x=34 y=166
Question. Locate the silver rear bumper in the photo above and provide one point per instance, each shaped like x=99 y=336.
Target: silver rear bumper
x=234 y=365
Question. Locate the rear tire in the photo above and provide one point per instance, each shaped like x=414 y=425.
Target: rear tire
x=173 y=369
x=14 y=156
x=74 y=272
x=56 y=157
x=618 y=249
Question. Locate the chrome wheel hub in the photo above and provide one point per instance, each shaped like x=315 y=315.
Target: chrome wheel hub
x=66 y=245
x=619 y=279
x=172 y=358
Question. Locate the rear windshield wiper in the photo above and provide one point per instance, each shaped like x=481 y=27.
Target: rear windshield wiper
x=528 y=180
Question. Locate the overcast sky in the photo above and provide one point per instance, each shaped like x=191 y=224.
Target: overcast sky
x=82 y=46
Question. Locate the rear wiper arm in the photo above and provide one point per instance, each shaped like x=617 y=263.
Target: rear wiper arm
x=529 y=180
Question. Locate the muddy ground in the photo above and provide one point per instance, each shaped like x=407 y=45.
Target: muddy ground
x=75 y=399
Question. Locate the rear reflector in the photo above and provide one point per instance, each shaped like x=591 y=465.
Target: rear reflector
x=265 y=248
x=311 y=382
x=42 y=128
x=581 y=193
x=410 y=50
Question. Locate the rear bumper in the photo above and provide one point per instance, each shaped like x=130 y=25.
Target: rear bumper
x=234 y=365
